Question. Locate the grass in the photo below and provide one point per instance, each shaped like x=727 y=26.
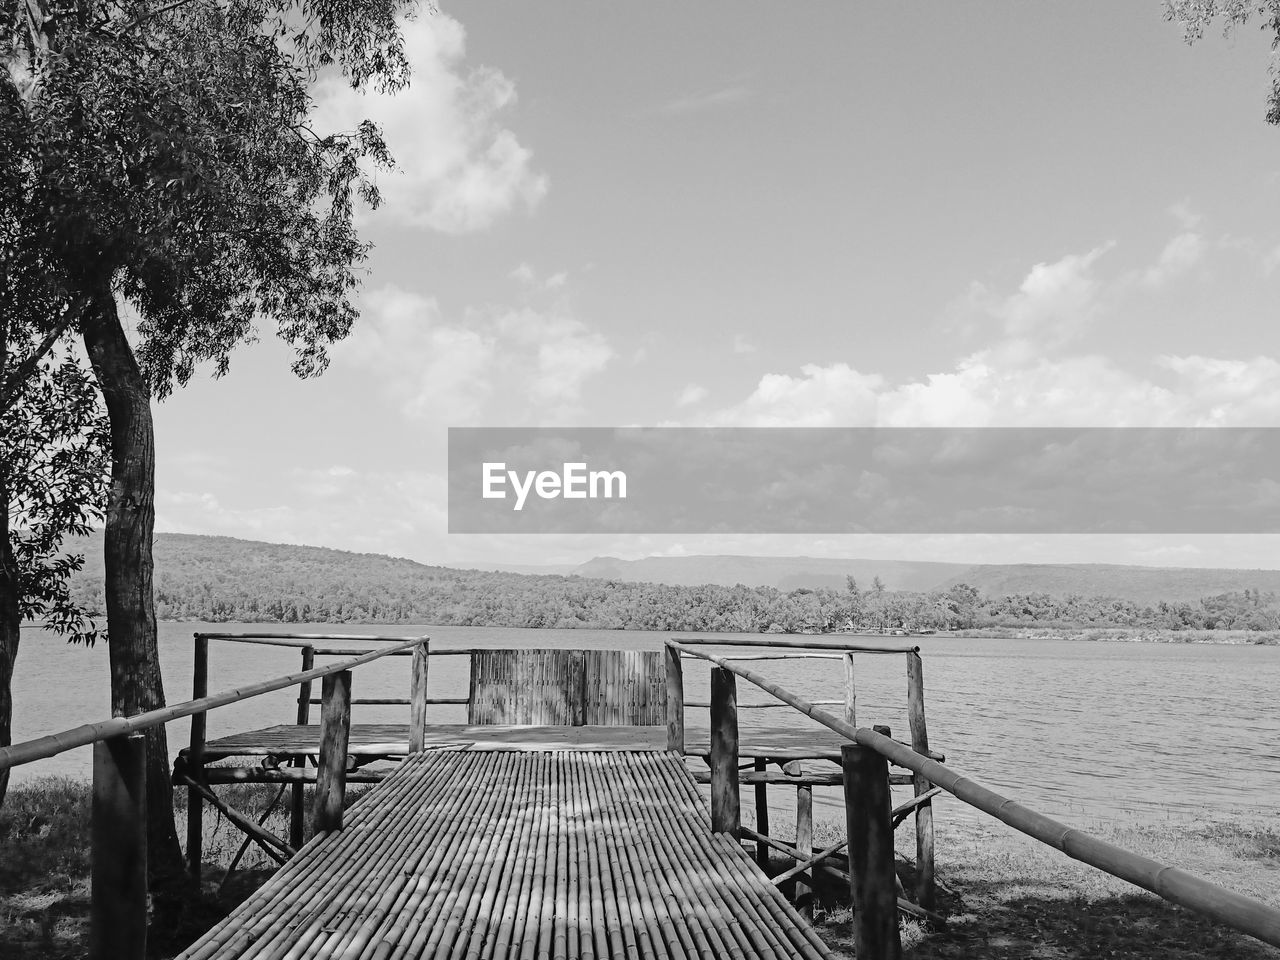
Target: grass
x=1005 y=896
x=44 y=866
x=1008 y=896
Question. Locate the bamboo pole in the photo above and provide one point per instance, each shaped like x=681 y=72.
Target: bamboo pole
x=804 y=843
x=871 y=862
x=725 y=816
x=244 y=844
x=850 y=690
x=335 y=732
x=118 y=831
x=272 y=845
x=297 y=814
x=762 y=814
x=794 y=644
x=42 y=748
x=418 y=698
x=675 y=700
x=926 y=894
x=195 y=759
x=1241 y=913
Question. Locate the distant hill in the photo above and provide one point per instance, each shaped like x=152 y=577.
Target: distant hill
x=226 y=579
x=1141 y=584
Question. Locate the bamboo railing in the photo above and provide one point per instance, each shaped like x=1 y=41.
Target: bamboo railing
x=869 y=826
x=118 y=896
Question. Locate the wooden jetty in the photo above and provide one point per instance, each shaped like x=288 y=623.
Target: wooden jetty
x=521 y=854
x=564 y=818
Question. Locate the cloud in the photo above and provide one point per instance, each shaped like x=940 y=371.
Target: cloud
x=457 y=167
x=453 y=371
x=1055 y=300
x=707 y=100
x=742 y=345
x=1179 y=255
x=693 y=393
x=527 y=276
x=1024 y=376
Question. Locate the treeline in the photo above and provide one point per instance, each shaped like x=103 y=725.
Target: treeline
x=297 y=585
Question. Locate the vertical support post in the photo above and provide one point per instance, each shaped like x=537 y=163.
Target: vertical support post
x=804 y=843
x=297 y=816
x=761 y=765
x=725 y=804
x=872 y=879
x=925 y=885
x=195 y=759
x=418 y=698
x=850 y=691
x=118 y=828
x=675 y=700
x=335 y=733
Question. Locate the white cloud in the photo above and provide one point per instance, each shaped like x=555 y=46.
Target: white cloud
x=1055 y=300
x=532 y=364
x=821 y=396
x=1179 y=255
x=742 y=345
x=457 y=167
x=706 y=100
x=693 y=393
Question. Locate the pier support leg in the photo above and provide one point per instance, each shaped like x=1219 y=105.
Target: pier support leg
x=762 y=814
x=195 y=760
x=725 y=804
x=297 y=815
x=926 y=894
x=675 y=701
x=335 y=734
x=418 y=699
x=804 y=843
x=118 y=828
x=872 y=877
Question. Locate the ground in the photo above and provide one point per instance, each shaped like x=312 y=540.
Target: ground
x=1005 y=895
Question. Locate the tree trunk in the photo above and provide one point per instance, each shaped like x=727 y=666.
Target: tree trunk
x=10 y=631
x=131 y=623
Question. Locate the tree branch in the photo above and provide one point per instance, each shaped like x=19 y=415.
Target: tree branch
x=14 y=379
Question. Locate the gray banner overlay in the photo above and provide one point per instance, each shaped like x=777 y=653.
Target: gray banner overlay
x=864 y=480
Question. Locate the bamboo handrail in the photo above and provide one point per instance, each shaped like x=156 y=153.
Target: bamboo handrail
x=1173 y=884
x=48 y=746
x=795 y=644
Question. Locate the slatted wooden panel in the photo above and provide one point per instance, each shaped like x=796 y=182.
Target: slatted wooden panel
x=526 y=687
x=625 y=688
x=517 y=855
x=573 y=687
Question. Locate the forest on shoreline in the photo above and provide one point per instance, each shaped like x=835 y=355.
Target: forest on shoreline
x=224 y=580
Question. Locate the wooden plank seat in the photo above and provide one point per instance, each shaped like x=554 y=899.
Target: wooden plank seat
x=513 y=853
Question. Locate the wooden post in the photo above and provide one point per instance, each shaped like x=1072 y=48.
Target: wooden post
x=297 y=818
x=675 y=701
x=872 y=877
x=850 y=691
x=804 y=843
x=725 y=806
x=925 y=886
x=335 y=733
x=418 y=699
x=762 y=814
x=195 y=759
x=118 y=831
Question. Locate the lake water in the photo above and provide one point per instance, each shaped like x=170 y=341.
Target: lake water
x=1086 y=731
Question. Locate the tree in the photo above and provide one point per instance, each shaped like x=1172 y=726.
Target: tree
x=52 y=484
x=1198 y=15
x=169 y=166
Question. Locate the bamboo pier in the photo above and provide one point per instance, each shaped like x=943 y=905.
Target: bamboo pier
x=566 y=817
x=520 y=854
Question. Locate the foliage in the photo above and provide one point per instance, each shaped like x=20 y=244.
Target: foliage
x=1197 y=15
x=53 y=472
x=223 y=579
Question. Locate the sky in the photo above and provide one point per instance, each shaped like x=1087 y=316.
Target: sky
x=740 y=214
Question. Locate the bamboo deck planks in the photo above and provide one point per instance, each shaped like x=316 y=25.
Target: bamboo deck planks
x=523 y=855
